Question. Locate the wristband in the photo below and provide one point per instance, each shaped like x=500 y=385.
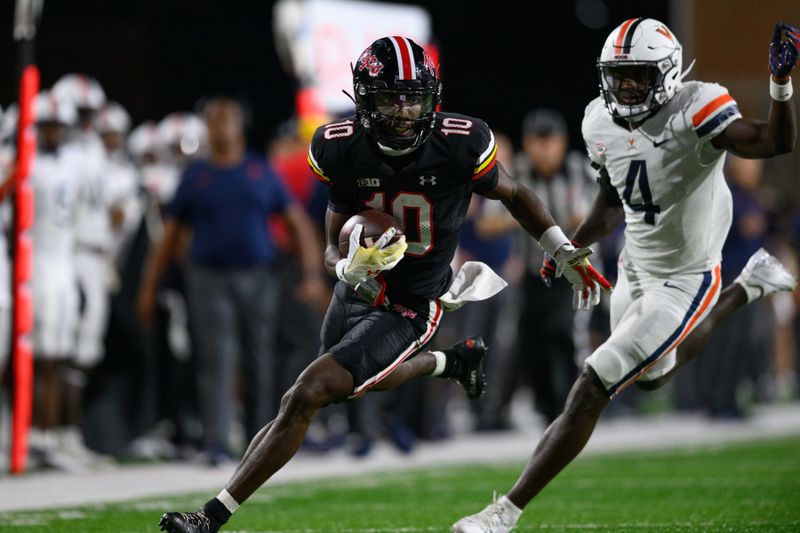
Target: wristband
x=553 y=239
x=340 y=264
x=780 y=92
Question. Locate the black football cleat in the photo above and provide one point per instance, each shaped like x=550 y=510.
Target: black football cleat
x=470 y=353
x=196 y=522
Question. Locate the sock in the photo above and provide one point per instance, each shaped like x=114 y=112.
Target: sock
x=452 y=366
x=441 y=362
x=753 y=293
x=221 y=508
x=511 y=510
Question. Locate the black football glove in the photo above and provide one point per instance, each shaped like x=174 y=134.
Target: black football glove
x=783 y=54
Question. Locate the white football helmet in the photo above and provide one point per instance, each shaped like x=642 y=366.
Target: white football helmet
x=113 y=119
x=639 y=68
x=184 y=133
x=144 y=140
x=83 y=91
x=52 y=109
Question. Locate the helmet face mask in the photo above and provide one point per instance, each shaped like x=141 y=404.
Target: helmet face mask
x=639 y=69
x=396 y=92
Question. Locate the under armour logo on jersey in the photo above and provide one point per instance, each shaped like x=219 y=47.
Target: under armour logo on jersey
x=427 y=180
x=631 y=142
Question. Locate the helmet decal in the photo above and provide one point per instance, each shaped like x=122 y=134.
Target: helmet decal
x=625 y=36
x=369 y=61
x=428 y=61
x=405 y=63
x=666 y=33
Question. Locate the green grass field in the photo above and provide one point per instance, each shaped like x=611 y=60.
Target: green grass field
x=742 y=487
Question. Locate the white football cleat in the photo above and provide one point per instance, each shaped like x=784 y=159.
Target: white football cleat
x=499 y=517
x=764 y=275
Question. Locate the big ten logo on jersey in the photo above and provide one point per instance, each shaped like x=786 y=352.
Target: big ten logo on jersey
x=369 y=61
x=456 y=126
x=338 y=129
x=368 y=182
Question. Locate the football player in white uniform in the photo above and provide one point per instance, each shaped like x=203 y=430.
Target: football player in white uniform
x=122 y=179
x=7 y=152
x=55 y=179
x=93 y=244
x=659 y=145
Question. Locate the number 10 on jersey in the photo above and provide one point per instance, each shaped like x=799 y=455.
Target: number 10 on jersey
x=414 y=210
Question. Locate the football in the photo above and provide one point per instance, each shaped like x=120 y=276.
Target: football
x=375 y=223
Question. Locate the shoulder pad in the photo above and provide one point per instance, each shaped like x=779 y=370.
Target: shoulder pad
x=592 y=117
x=472 y=141
x=708 y=108
x=328 y=144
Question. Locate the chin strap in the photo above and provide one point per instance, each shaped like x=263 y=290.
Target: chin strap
x=394 y=151
x=350 y=96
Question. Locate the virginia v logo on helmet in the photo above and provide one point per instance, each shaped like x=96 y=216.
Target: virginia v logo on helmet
x=640 y=68
x=396 y=90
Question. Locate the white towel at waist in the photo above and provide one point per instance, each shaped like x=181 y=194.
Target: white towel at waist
x=474 y=282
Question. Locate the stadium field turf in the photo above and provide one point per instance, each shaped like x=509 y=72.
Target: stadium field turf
x=737 y=487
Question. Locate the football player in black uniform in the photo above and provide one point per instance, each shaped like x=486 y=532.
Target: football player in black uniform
x=398 y=155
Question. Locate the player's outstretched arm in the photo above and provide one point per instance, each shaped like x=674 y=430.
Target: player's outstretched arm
x=534 y=217
x=757 y=139
x=523 y=205
x=605 y=215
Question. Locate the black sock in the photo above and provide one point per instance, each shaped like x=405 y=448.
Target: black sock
x=453 y=365
x=216 y=511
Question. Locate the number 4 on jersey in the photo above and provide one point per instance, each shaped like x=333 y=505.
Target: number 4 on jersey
x=638 y=169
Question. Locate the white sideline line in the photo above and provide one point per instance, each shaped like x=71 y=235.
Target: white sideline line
x=51 y=489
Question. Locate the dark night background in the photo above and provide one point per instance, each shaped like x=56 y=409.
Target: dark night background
x=499 y=59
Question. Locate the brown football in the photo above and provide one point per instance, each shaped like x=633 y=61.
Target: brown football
x=375 y=223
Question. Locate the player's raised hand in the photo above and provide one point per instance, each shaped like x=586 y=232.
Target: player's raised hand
x=586 y=281
x=362 y=263
x=783 y=53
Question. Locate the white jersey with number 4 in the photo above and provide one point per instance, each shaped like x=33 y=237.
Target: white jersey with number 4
x=669 y=177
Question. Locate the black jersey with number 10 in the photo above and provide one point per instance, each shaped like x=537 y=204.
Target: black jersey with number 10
x=428 y=190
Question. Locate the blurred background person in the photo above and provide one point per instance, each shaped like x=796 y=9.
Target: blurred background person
x=562 y=179
x=297 y=340
x=488 y=236
x=7 y=151
x=106 y=423
x=93 y=244
x=122 y=181
x=56 y=181
x=742 y=351
x=232 y=283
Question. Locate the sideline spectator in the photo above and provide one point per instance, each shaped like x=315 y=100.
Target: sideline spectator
x=545 y=343
x=232 y=285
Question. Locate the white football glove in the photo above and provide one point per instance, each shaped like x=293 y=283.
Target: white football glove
x=586 y=281
x=363 y=263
